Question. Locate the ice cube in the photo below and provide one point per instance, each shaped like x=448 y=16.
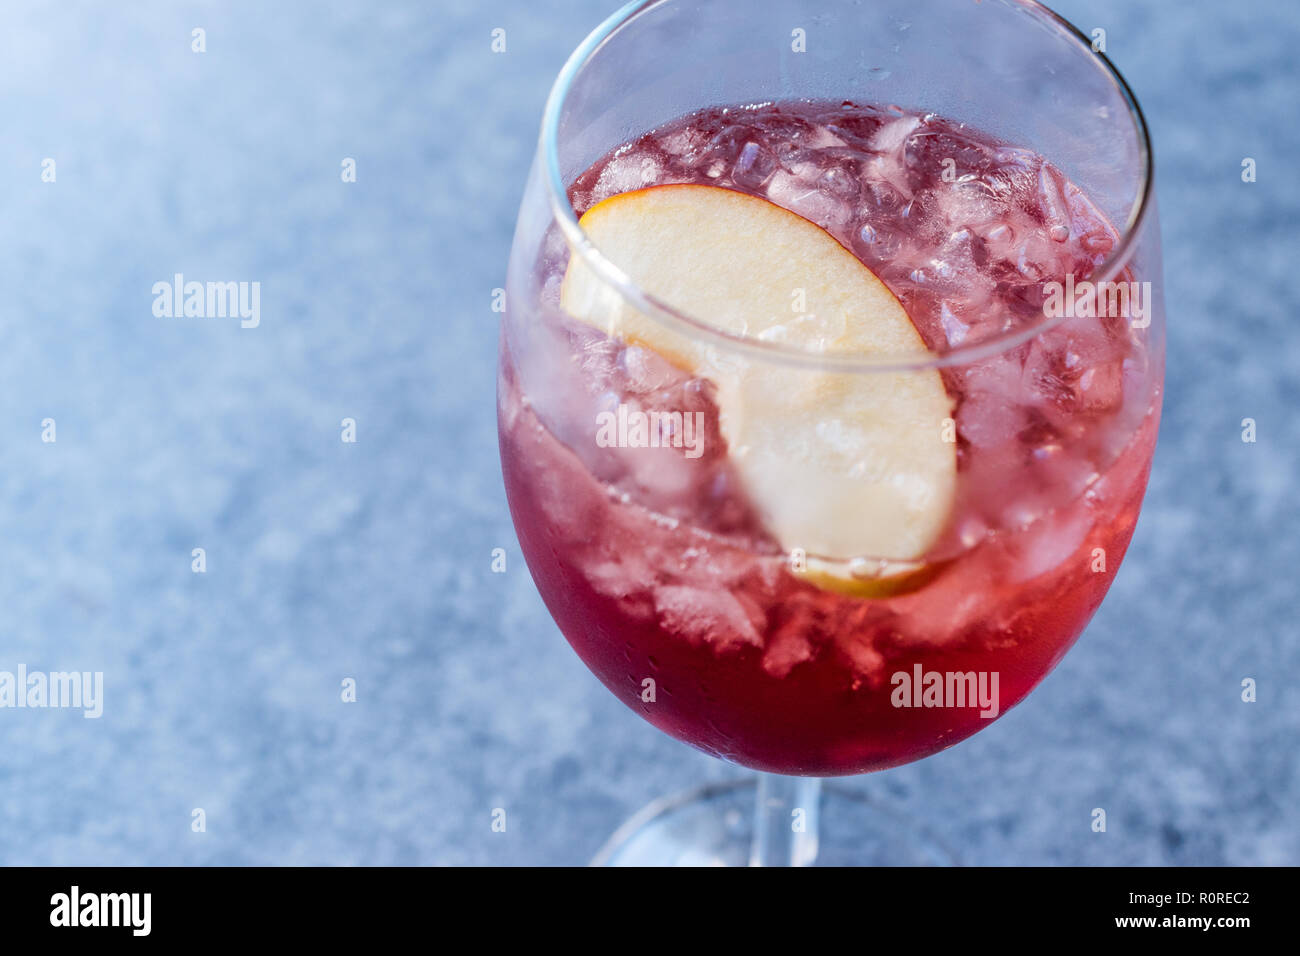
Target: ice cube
x=1101 y=387
x=840 y=183
x=954 y=329
x=1098 y=243
x=1038 y=257
x=854 y=124
x=947 y=155
x=960 y=599
x=887 y=169
x=628 y=171
x=1048 y=381
x=798 y=195
x=1066 y=472
x=784 y=127
x=706 y=616
x=891 y=137
x=824 y=137
x=624 y=581
x=988 y=420
x=868 y=663
x=683 y=142
x=998 y=375
x=664 y=476
x=754 y=166
x=1050 y=542
x=644 y=371
x=1013 y=177
x=877 y=243
x=788 y=646
x=1052 y=202
x=963 y=205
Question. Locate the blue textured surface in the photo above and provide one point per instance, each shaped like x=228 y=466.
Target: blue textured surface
x=372 y=560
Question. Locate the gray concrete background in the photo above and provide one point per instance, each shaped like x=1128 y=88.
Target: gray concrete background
x=371 y=560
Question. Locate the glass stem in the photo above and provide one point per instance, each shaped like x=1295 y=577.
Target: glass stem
x=785 y=821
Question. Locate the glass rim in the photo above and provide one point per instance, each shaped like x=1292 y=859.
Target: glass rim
x=611 y=274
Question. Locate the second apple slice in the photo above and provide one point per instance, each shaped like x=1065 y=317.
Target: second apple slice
x=840 y=465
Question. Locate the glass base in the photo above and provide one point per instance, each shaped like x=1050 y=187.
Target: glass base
x=713 y=825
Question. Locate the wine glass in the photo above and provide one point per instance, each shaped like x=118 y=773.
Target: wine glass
x=808 y=544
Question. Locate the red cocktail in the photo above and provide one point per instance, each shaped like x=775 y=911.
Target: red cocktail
x=655 y=564
x=825 y=425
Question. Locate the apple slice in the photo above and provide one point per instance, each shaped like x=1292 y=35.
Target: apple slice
x=840 y=465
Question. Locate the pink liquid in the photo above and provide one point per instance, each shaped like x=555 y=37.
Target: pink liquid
x=655 y=565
